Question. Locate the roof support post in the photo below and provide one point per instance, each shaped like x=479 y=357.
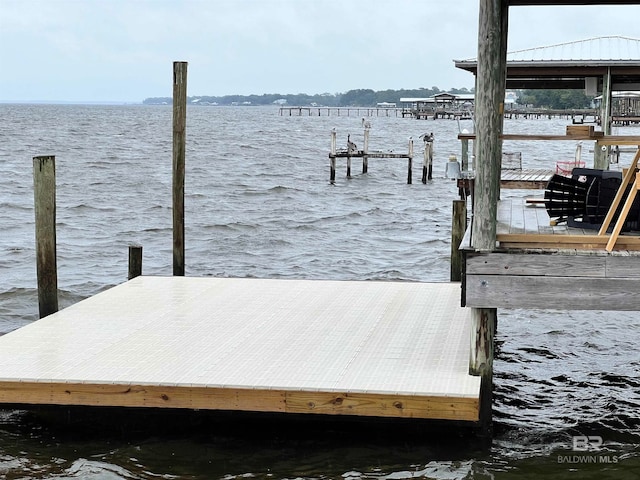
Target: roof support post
x=601 y=152
x=489 y=113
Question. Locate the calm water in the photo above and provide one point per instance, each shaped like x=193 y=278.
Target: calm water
x=258 y=203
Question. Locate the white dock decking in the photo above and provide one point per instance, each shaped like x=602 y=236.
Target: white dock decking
x=388 y=349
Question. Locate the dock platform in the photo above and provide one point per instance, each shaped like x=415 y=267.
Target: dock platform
x=362 y=348
x=523 y=179
x=540 y=265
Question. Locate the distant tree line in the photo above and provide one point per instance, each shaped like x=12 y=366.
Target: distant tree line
x=352 y=98
x=552 y=99
x=555 y=99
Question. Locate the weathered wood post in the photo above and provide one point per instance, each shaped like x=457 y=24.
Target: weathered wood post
x=410 y=161
x=465 y=154
x=332 y=157
x=601 y=152
x=348 y=167
x=427 y=165
x=458 y=227
x=179 y=141
x=490 y=92
x=135 y=261
x=365 y=156
x=44 y=190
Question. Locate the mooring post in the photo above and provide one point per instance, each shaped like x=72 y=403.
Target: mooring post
x=410 y=161
x=458 y=227
x=365 y=156
x=179 y=141
x=135 y=261
x=44 y=189
x=348 y=167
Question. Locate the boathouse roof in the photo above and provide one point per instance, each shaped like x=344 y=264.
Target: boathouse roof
x=568 y=65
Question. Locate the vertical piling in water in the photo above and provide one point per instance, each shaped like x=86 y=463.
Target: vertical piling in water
x=44 y=189
x=458 y=227
x=135 y=261
x=489 y=110
x=332 y=157
x=427 y=164
x=365 y=157
x=410 y=162
x=179 y=141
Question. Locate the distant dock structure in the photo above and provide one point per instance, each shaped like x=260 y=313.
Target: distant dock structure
x=352 y=151
x=383 y=109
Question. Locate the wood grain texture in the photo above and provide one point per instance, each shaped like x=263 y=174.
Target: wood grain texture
x=561 y=293
x=205 y=398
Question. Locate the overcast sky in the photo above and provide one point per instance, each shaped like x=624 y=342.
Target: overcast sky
x=122 y=50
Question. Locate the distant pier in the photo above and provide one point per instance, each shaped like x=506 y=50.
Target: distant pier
x=340 y=111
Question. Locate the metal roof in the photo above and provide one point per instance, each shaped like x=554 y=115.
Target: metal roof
x=572 y=2
x=612 y=47
x=566 y=65
x=599 y=49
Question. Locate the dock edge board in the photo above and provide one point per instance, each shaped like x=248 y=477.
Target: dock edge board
x=377 y=404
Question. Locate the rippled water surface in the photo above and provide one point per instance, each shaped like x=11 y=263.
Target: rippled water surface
x=259 y=203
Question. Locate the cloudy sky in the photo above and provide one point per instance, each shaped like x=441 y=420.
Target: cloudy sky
x=122 y=50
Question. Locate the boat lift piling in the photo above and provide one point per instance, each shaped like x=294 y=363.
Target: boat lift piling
x=365 y=154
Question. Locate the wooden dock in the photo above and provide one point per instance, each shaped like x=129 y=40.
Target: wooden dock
x=537 y=265
x=381 y=349
x=525 y=179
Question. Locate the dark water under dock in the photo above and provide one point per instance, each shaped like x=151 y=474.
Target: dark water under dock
x=259 y=204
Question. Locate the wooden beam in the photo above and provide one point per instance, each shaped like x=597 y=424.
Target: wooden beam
x=560 y=241
x=547 y=292
x=557 y=265
x=633 y=140
x=256 y=400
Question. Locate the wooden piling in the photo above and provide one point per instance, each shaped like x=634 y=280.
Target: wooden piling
x=179 y=142
x=332 y=157
x=365 y=157
x=348 y=167
x=601 y=152
x=489 y=110
x=465 y=155
x=427 y=165
x=44 y=189
x=410 y=161
x=483 y=326
x=458 y=227
x=135 y=261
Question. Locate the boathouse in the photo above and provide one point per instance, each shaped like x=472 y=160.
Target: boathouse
x=514 y=258
x=440 y=105
x=602 y=65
